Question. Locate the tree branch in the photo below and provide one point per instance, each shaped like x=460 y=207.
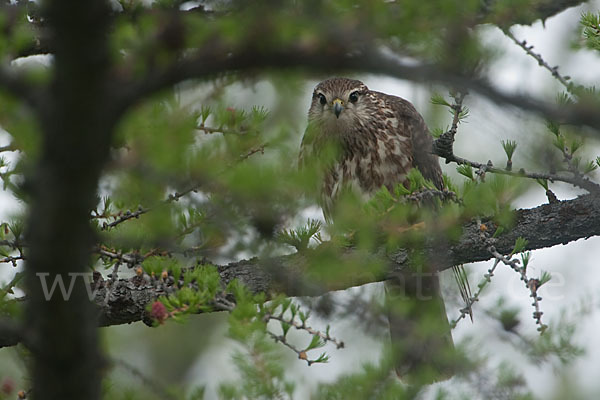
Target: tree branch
x=549 y=9
x=10 y=334
x=536 y=11
x=14 y=83
x=125 y=300
x=544 y=226
x=359 y=56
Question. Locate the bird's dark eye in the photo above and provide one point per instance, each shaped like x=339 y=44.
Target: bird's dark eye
x=353 y=97
x=322 y=98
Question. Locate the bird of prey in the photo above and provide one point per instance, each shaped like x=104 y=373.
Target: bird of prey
x=381 y=138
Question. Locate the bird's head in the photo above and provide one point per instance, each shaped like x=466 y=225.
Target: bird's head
x=339 y=103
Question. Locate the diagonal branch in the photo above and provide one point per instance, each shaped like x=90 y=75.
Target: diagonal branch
x=543 y=63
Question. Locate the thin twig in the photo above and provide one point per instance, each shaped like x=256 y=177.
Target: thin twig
x=170 y=198
x=143 y=210
x=444 y=148
x=125 y=217
x=12 y=259
x=210 y=130
x=467 y=310
x=258 y=149
x=8 y=147
x=131 y=259
x=576 y=179
x=458 y=109
x=564 y=80
x=530 y=283
x=302 y=326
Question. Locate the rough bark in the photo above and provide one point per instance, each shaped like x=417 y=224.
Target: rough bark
x=544 y=226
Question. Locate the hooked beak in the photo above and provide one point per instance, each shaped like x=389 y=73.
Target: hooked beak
x=338 y=106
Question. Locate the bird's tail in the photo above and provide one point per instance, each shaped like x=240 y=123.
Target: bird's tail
x=421 y=338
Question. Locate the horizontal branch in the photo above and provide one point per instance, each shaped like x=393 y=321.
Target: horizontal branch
x=125 y=300
x=355 y=55
x=575 y=178
x=547 y=9
x=10 y=334
x=15 y=83
x=544 y=226
x=41 y=44
x=540 y=10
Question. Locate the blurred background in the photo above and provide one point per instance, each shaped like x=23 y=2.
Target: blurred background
x=199 y=353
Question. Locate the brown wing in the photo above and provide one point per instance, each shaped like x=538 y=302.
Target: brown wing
x=422 y=142
x=419 y=349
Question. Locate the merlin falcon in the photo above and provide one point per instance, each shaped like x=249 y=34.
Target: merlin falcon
x=380 y=139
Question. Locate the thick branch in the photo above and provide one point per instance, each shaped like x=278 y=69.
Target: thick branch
x=10 y=334
x=42 y=45
x=549 y=9
x=125 y=300
x=217 y=58
x=544 y=226
x=536 y=11
x=14 y=83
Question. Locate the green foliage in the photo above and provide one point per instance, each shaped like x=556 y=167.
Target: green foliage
x=449 y=184
x=559 y=142
x=553 y=127
x=416 y=181
x=259 y=365
x=564 y=99
x=16 y=36
x=196 y=294
x=373 y=381
x=591 y=30
x=466 y=170
x=439 y=100
x=545 y=276
x=156 y=265
x=525 y=256
x=568 y=145
x=509 y=147
x=557 y=343
x=590 y=166
x=520 y=245
x=200 y=173
x=508 y=317
x=493 y=198
x=383 y=201
x=300 y=237
x=543 y=183
x=262 y=375
x=511 y=381
x=436 y=132
x=463 y=114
